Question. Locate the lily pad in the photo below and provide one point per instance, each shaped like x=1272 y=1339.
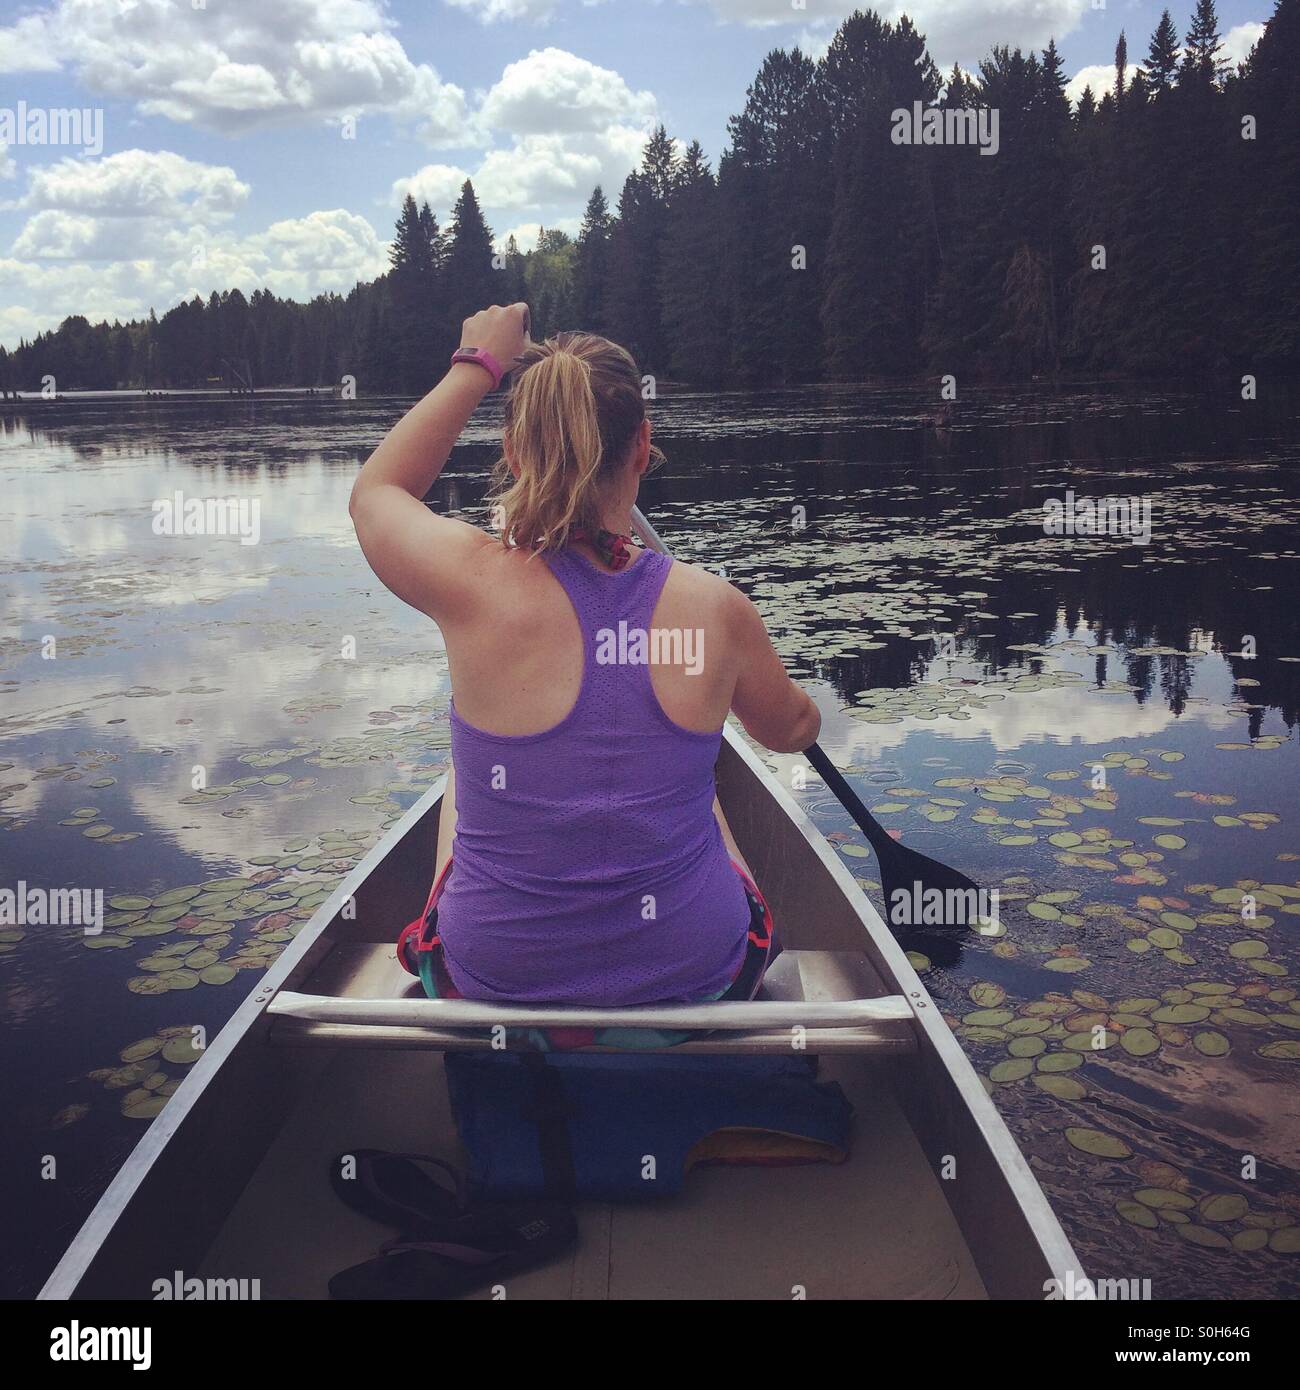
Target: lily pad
x=1139 y=1042
x=1096 y=1143
x=1062 y=1087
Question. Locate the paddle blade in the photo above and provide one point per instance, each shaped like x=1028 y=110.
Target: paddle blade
x=921 y=892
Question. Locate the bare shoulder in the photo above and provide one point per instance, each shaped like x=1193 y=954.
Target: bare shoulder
x=712 y=595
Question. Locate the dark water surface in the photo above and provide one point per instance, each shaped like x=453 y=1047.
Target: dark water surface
x=973 y=673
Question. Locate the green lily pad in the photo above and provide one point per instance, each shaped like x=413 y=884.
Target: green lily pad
x=179 y=979
x=146 y=984
x=1250 y=1240
x=145 y=1108
x=1181 y=1013
x=1139 y=1042
x=1062 y=1087
x=1013 y=1069
x=181 y=1050
x=1164 y=1198
x=1056 y=1062
x=1137 y=1215
x=1096 y=1143
x=1203 y=1236
x=1225 y=1206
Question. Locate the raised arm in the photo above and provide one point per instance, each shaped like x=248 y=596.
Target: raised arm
x=425 y=559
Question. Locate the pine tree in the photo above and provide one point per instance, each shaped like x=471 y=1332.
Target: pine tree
x=592 y=264
x=775 y=222
x=1162 y=55
x=472 y=283
x=688 y=275
x=414 y=286
x=631 y=285
x=1201 y=61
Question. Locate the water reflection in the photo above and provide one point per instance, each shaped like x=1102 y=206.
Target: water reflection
x=972 y=670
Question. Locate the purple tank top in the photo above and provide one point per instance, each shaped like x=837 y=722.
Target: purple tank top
x=588 y=867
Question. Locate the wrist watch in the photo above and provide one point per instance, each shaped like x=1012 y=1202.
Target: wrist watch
x=481 y=358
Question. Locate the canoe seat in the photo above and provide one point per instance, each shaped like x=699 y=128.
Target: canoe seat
x=815 y=1001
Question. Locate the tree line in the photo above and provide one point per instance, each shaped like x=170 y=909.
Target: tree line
x=1150 y=229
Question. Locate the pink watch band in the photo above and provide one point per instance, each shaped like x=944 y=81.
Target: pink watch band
x=481 y=358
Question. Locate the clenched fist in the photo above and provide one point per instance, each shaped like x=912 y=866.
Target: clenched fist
x=501 y=331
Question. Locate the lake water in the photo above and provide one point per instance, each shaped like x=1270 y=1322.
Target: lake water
x=973 y=673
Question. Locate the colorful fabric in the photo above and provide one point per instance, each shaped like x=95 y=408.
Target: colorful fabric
x=612 y=546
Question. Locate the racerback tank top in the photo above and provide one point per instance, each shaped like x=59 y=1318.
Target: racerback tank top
x=588 y=866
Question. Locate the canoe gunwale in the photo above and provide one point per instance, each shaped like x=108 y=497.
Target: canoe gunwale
x=941 y=1064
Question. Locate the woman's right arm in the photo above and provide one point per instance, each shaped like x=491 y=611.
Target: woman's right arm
x=773 y=709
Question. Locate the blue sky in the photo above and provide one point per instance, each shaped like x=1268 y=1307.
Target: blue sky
x=224 y=160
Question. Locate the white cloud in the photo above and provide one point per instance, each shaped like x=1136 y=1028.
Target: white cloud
x=7 y=166
x=955 y=30
x=325 y=249
x=116 y=268
x=555 y=92
x=538 y=171
x=28 y=46
x=526 y=234
x=491 y=11
x=1239 y=40
x=237 y=67
x=574 y=125
x=1099 y=76
x=546 y=169
x=438 y=185
x=137 y=183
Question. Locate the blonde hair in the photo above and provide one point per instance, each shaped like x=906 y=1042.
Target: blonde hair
x=571 y=416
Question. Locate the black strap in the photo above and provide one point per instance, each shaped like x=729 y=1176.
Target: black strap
x=550 y=1112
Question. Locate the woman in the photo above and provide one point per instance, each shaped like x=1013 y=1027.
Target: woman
x=590 y=862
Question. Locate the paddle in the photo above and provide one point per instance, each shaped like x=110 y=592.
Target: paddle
x=902 y=870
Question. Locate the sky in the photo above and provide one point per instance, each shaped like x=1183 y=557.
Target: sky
x=269 y=143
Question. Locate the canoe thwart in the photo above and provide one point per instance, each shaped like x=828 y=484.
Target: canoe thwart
x=891 y=1038
x=737 y=1016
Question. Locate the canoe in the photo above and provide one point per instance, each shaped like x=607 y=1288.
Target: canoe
x=337 y=1049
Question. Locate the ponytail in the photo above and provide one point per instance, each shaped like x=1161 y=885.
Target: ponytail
x=572 y=414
